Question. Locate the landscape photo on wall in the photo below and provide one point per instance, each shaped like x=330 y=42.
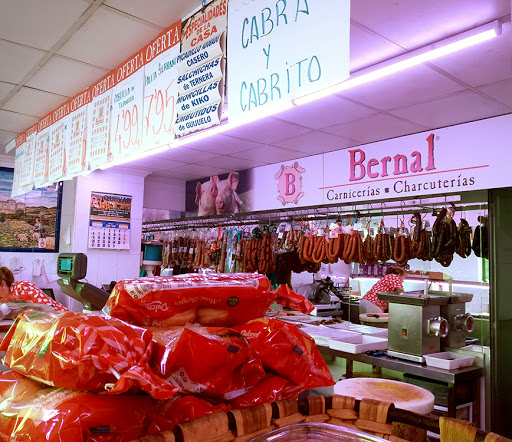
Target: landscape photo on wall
x=30 y=221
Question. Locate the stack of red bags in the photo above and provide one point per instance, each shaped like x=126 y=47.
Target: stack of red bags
x=231 y=357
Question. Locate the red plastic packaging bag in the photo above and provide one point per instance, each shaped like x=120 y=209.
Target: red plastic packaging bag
x=168 y=413
x=217 y=300
x=30 y=411
x=216 y=362
x=83 y=352
x=287 y=352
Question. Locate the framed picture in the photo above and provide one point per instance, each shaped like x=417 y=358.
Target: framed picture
x=30 y=222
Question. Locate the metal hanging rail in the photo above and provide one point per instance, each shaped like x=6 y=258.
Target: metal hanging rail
x=316 y=213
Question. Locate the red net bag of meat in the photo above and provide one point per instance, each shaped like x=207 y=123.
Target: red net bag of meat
x=215 y=362
x=287 y=352
x=83 y=352
x=218 y=300
x=30 y=411
x=166 y=414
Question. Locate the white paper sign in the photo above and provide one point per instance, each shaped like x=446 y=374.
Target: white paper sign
x=278 y=51
x=17 y=187
x=209 y=93
x=58 y=139
x=198 y=119
x=200 y=75
x=210 y=21
x=27 y=171
x=42 y=158
x=127 y=114
x=160 y=95
x=98 y=129
x=76 y=151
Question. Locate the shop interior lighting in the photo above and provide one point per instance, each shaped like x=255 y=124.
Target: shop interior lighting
x=411 y=59
x=375 y=72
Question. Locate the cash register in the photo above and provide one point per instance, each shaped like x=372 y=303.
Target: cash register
x=71 y=268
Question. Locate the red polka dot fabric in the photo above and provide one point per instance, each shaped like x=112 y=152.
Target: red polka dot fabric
x=386 y=284
x=30 y=293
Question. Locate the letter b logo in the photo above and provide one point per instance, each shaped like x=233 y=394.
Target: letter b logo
x=290 y=184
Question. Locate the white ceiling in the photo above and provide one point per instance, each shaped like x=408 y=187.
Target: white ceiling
x=51 y=50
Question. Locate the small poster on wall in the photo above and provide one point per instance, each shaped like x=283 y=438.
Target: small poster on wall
x=109 y=223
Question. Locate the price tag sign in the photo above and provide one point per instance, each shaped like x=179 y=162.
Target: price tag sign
x=160 y=94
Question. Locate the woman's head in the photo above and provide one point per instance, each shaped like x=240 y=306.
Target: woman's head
x=396 y=271
x=6 y=280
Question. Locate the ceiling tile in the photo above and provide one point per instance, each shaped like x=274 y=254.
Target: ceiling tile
x=484 y=63
x=7 y=136
x=34 y=102
x=457 y=108
x=101 y=42
x=14 y=122
x=501 y=91
x=161 y=12
x=415 y=85
x=316 y=142
x=157 y=163
x=233 y=164
x=224 y=144
x=375 y=128
x=201 y=171
x=5 y=88
x=368 y=48
x=268 y=131
x=39 y=24
x=17 y=61
x=175 y=174
x=186 y=155
x=326 y=112
x=65 y=76
x=413 y=24
x=269 y=154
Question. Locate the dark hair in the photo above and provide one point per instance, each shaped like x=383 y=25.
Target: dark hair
x=7 y=276
x=396 y=271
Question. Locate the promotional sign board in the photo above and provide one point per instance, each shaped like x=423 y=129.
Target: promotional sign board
x=17 y=187
x=98 y=118
x=278 y=51
x=160 y=90
x=109 y=223
x=76 y=160
x=41 y=160
x=127 y=108
x=59 y=138
x=27 y=171
x=208 y=22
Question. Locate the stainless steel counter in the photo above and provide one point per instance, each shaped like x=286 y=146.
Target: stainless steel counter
x=451 y=377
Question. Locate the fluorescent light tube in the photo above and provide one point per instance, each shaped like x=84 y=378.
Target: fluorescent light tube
x=414 y=58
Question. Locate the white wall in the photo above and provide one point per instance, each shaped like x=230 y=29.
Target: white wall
x=103 y=265
x=160 y=193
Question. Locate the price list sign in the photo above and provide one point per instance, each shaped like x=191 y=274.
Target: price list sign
x=41 y=161
x=109 y=224
x=160 y=89
x=77 y=150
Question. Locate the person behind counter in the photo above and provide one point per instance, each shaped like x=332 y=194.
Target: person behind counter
x=392 y=282
x=24 y=290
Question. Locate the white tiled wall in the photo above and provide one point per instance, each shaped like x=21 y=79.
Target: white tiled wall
x=165 y=194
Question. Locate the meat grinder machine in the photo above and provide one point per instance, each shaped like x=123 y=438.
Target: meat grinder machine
x=421 y=324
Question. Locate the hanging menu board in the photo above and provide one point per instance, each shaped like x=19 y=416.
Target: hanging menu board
x=58 y=140
x=17 y=187
x=278 y=51
x=27 y=171
x=98 y=117
x=160 y=90
x=41 y=160
x=77 y=149
x=109 y=225
x=127 y=104
x=201 y=71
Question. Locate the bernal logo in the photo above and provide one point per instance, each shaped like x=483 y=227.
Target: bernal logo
x=289 y=184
